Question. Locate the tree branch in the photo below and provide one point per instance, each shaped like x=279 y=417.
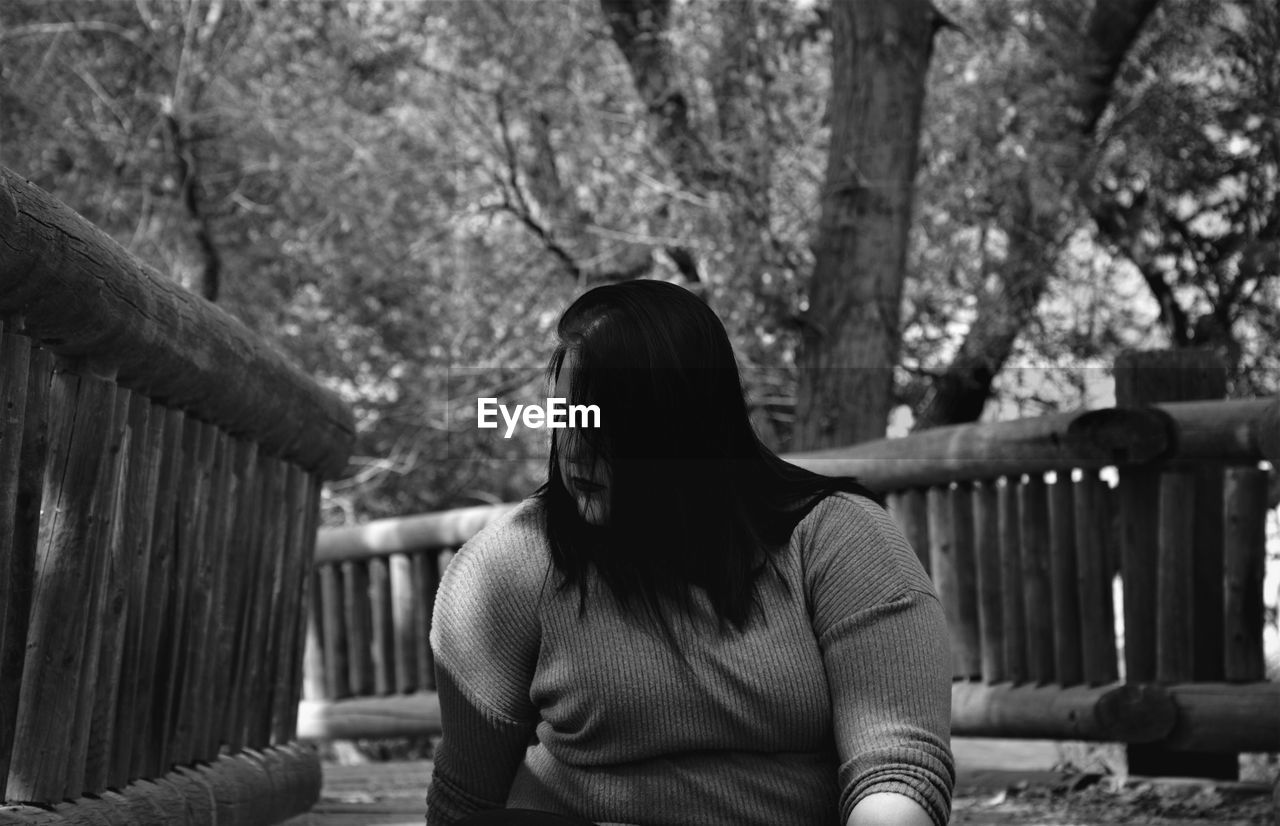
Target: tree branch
x=191 y=195
x=639 y=28
x=1113 y=224
x=1113 y=27
x=960 y=394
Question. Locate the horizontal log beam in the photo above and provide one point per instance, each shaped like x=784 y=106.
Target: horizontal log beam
x=1117 y=712
x=1234 y=432
x=382 y=537
x=1225 y=717
x=1237 y=431
x=80 y=294
x=1087 y=439
x=400 y=715
x=252 y=788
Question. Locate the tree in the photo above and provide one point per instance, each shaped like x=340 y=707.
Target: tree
x=880 y=58
x=1078 y=58
x=1187 y=190
x=404 y=195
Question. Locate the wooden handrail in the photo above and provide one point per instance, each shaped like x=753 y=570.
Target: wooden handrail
x=1239 y=432
x=1024 y=569
x=83 y=296
x=160 y=479
x=1084 y=439
x=1234 y=431
x=383 y=537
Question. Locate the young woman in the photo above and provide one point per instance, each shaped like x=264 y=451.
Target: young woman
x=679 y=627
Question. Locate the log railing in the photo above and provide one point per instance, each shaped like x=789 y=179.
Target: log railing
x=369 y=669
x=160 y=472
x=1023 y=540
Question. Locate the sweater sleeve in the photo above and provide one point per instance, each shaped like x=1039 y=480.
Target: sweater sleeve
x=485 y=637
x=886 y=650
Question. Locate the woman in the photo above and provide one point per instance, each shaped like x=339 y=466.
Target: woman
x=686 y=628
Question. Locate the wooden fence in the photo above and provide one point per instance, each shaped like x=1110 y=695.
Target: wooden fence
x=1023 y=540
x=160 y=472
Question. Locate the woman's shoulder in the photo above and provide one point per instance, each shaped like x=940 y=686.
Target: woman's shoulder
x=845 y=512
x=509 y=554
x=516 y=533
x=849 y=532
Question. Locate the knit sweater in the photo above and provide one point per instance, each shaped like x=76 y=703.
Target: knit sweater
x=838 y=687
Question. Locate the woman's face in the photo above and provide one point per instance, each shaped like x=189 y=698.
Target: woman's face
x=584 y=473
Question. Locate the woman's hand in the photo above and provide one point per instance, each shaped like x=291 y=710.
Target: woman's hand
x=888 y=809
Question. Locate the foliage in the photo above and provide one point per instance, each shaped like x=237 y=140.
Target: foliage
x=1191 y=130
x=403 y=195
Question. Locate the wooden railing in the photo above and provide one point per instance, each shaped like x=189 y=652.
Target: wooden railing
x=1023 y=540
x=160 y=472
x=369 y=669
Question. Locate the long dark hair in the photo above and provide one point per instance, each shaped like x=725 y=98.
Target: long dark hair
x=695 y=500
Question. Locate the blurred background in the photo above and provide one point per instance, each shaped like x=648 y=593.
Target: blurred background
x=403 y=195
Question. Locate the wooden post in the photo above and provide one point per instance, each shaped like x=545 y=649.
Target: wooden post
x=942 y=566
x=987 y=552
x=1012 y=606
x=358 y=623
x=313 y=672
x=1246 y=550
x=1146 y=378
x=969 y=635
x=42 y=765
x=306 y=558
x=1064 y=580
x=384 y=678
x=237 y=517
x=296 y=565
x=252 y=490
x=1139 y=498
x=150 y=705
x=16 y=564
x=423 y=568
x=211 y=671
x=255 y=621
x=1097 y=611
x=191 y=596
x=261 y=676
x=333 y=631
x=146 y=421
x=1033 y=509
x=402 y=623
x=1175 y=578
x=115 y=588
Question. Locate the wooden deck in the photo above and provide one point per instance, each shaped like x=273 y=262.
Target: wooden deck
x=372 y=793
x=394 y=794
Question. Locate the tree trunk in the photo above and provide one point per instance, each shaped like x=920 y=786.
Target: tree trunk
x=880 y=56
x=959 y=394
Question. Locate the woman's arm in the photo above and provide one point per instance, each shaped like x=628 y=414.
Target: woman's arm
x=476 y=758
x=888 y=809
x=485 y=635
x=886 y=649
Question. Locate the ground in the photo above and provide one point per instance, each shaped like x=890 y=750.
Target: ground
x=1031 y=783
